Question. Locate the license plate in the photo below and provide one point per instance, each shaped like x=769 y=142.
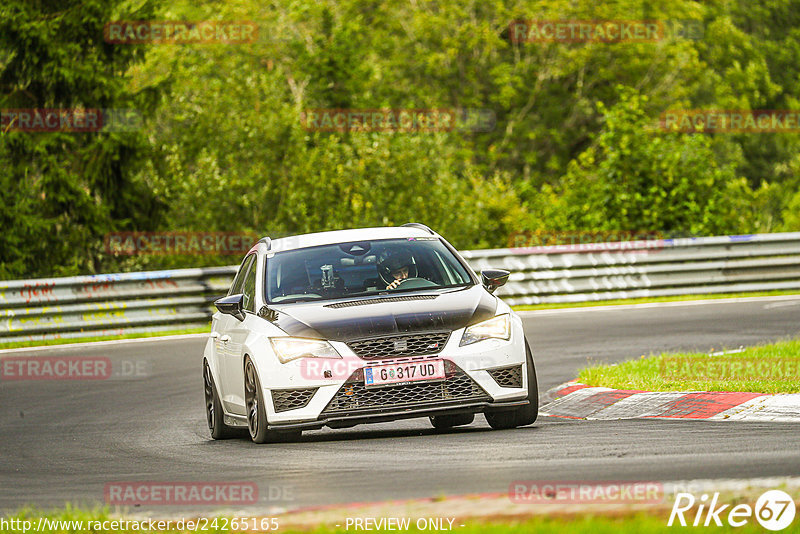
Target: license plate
x=403 y=373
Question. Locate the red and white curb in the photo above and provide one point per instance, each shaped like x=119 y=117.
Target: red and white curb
x=574 y=400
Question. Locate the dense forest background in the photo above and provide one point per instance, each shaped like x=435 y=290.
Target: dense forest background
x=222 y=147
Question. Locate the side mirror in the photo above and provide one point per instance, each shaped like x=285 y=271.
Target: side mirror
x=231 y=305
x=494 y=278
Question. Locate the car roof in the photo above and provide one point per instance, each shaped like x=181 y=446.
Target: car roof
x=345 y=236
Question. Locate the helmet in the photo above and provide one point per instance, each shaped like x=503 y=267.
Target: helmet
x=394 y=260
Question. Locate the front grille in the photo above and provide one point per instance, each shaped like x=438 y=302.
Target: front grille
x=364 y=302
x=399 y=345
x=291 y=399
x=507 y=377
x=353 y=397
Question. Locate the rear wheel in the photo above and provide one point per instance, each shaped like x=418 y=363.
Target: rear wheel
x=449 y=421
x=524 y=415
x=214 y=415
x=256 y=410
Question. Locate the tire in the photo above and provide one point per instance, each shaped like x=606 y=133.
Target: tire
x=214 y=414
x=524 y=415
x=442 y=422
x=256 y=414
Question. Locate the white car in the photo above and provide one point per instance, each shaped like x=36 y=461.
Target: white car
x=360 y=326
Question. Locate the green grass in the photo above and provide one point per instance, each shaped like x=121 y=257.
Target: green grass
x=677 y=298
x=655 y=521
x=773 y=368
x=89 y=339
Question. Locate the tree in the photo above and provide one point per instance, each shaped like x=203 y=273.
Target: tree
x=636 y=178
x=61 y=191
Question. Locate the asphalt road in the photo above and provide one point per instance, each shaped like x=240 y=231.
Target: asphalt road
x=63 y=441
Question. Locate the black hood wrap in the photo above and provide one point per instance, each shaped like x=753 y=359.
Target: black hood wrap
x=450 y=310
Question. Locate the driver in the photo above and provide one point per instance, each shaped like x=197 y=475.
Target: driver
x=394 y=266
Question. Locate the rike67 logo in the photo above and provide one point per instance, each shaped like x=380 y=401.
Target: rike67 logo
x=774 y=510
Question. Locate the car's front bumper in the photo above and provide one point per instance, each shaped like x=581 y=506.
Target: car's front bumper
x=472 y=385
x=385 y=415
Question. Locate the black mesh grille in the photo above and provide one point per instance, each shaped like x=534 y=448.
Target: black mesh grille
x=508 y=377
x=291 y=399
x=354 y=397
x=399 y=346
x=350 y=303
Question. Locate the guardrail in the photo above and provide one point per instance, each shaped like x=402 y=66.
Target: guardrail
x=165 y=300
x=110 y=304
x=650 y=268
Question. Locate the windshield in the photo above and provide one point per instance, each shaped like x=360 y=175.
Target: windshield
x=362 y=268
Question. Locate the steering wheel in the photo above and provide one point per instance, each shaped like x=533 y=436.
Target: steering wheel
x=411 y=283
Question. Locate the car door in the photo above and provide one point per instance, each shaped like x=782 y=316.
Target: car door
x=238 y=332
x=227 y=353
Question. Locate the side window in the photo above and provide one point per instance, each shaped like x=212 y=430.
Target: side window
x=238 y=282
x=249 y=289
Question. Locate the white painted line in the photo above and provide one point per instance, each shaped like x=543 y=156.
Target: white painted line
x=778 y=408
x=563 y=404
x=647 y=404
x=781 y=304
x=741 y=410
x=671 y=304
x=105 y=343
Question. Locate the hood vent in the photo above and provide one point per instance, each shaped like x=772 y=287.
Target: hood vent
x=364 y=302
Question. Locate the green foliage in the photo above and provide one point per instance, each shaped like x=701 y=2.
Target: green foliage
x=224 y=148
x=266 y=173
x=61 y=192
x=791 y=216
x=634 y=177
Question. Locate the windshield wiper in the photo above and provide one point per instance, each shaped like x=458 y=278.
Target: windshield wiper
x=299 y=299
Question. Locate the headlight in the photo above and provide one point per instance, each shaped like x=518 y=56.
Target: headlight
x=495 y=328
x=292 y=348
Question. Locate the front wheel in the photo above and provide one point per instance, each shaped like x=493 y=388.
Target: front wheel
x=214 y=414
x=256 y=411
x=524 y=415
